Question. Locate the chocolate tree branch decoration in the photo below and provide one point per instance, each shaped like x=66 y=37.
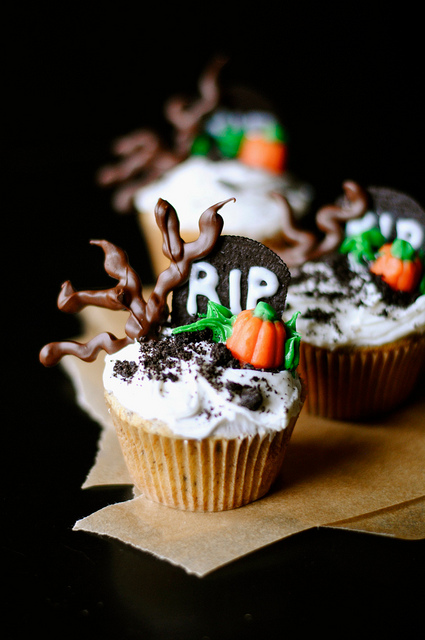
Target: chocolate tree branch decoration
x=145 y=318
x=144 y=157
x=300 y=243
x=329 y=219
x=304 y=245
x=187 y=115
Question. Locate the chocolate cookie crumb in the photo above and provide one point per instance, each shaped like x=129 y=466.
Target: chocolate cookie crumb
x=319 y=315
x=394 y=298
x=125 y=369
x=249 y=397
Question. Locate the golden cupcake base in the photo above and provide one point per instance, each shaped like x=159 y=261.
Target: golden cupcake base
x=210 y=474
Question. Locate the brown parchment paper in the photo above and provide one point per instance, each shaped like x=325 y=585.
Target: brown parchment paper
x=366 y=477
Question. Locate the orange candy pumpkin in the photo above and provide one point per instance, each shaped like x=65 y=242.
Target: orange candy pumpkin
x=262 y=153
x=258 y=338
x=400 y=273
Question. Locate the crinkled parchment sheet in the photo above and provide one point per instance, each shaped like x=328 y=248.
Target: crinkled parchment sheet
x=365 y=477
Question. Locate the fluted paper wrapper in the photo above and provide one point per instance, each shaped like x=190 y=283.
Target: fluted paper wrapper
x=363 y=382
x=325 y=481
x=211 y=474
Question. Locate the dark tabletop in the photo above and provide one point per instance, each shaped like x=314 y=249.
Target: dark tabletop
x=349 y=88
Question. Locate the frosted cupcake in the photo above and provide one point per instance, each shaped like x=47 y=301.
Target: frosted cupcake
x=225 y=144
x=203 y=425
x=362 y=312
x=198 y=430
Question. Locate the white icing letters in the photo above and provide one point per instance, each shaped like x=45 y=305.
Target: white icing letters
x=235 y=276
x=357 y=226
x=410 y=230
x=406 y=228
x=262 y=283
x=203 y=281
x=386 y=223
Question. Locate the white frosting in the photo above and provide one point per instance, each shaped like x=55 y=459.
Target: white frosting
x=193 y=408
x=361 y=317
x=197 y=183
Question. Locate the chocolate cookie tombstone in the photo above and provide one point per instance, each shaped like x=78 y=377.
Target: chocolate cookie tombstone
x=396 y=214
x=238 y=273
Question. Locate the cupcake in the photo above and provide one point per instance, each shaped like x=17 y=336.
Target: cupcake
x=227 y=143
x=362 y=309
x=204 y=404
x=193 y=183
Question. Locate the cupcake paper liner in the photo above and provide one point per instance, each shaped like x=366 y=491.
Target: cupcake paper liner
x=210 y=474
x=362 y=382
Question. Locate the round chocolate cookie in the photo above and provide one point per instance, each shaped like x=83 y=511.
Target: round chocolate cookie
x=396 y=214
x=237 y=274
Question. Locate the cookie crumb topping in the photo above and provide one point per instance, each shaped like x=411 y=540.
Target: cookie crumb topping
x=125 y=369
x=163 y=360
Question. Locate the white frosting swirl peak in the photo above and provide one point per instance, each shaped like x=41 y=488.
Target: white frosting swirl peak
x=193 y=185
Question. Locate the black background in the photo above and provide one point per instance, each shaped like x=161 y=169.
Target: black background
x=348 y=84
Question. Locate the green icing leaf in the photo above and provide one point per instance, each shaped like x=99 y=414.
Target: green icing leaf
x=363 y=245
x=280 y=133
x=201 y=145
x=292 y=343
x=229 y=141
x=218 y=318
x=402 y=249
x=215 y=310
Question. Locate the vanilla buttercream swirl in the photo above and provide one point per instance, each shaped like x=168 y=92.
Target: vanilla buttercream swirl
x=195 y=402
x=198 y=179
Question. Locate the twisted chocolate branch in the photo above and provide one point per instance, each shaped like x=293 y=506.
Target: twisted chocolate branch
x=145 y=157
x=304 y=245
x=188 y=115
x=300 y=242
x=145 y=318
x=180 y=254
x=330 y=218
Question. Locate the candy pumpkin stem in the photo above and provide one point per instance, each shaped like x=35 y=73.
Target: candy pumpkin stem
x=402 y=249
x=265 y=312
